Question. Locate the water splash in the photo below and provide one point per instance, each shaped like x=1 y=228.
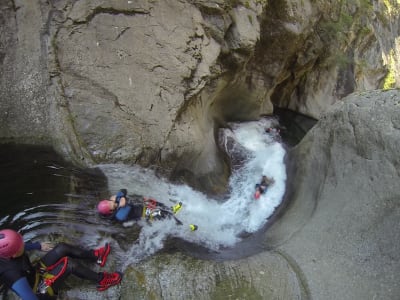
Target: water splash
x=221 y=224
x=72 y=218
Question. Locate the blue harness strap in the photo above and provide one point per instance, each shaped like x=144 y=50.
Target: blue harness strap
x=123 y=212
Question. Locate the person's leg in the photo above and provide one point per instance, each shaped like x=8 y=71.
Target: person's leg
x=136 y=212
x=162 y=205
x=63 y=249
x=103 y=280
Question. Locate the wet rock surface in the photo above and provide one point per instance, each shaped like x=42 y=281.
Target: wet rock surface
x=140 y=82
x=340 y=225
x=337 y=235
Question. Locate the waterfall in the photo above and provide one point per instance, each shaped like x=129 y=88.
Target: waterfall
x=220 y=223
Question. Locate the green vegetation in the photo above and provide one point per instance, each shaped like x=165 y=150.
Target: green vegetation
x=250 y=19
x=339 y=28
x=389 y=81
x=365 y=6
x=234 y=3
x=242 y=289
x=392 y=6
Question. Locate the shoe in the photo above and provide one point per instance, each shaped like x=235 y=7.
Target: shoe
x=108 y=280
x=102 y=254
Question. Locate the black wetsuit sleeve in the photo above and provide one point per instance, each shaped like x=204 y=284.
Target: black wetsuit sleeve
x=10 y=272
x=33 y=246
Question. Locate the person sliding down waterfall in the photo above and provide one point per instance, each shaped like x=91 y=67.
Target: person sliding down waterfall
x=274 y=132
x=119 y=208
x=262 y=187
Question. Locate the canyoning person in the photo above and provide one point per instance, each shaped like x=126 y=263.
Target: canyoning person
x=116 y=207
x=262 y=187
x=43 y=279
x=272 y=130
x=121 y=209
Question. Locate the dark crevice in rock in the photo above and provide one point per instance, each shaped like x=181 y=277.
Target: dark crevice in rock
x=122 y=32
x=111 y=11
x=14 y=7
x=293 y=125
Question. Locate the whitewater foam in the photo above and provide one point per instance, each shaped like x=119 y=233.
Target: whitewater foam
x=220 y=224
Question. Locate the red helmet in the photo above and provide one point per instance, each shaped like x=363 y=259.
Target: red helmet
x=10 y=243
x=104 y=207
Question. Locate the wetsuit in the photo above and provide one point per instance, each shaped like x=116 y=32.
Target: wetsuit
x=151 y=209
x=262 y=187
x=18 y=274
x=264 y=184
x=71 y=251
x=128 y=212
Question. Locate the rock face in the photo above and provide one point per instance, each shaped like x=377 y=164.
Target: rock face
x=141 y=82
x=341 y=227
x=338 y=237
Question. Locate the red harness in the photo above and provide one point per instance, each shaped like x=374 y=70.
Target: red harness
x=151 y=203
x=50 y=281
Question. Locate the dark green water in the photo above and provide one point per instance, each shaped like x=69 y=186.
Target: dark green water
x=42 y=193
x=32 y=175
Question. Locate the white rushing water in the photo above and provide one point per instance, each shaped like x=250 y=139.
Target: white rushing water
x=220 y=224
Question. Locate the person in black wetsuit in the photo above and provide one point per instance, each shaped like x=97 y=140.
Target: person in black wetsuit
x=43 y=279
x=262 y=187
x=121 y=209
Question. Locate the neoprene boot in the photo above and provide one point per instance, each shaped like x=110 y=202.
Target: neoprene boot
x=108 y=280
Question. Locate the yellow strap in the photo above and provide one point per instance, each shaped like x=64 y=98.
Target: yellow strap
x=144 y=211
x=39 y=278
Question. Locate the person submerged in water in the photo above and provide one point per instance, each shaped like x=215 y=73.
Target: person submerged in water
x=43 y=279
x=274 y=132
x=119 y=208
x=262 y=187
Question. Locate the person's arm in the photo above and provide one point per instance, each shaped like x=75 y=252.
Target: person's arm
x=44 y=246
x=22 y=288
x=122 y=202
x=33 y=246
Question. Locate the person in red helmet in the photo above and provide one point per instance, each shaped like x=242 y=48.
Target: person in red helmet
x=44 y=279
x=116 y=207
x=119 y=208
x=122 y=209
x=262 y=187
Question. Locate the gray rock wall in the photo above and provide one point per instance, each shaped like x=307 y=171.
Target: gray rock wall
x=141 y=82
x=341 y=226
x=338 y=236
